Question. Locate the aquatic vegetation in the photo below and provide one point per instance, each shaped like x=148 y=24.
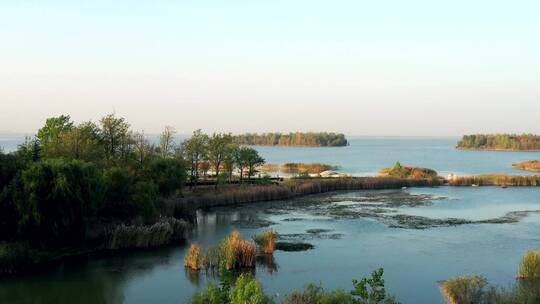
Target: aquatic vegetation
x=266 y=241
x=531 y=165
x=194 y=258
x=237 y=253
x=164 y=231
x=466 y=289
x=496 y=180
x=529 y=267
x=293 y=246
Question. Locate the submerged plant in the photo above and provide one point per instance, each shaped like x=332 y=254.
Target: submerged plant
x=266 y=241
x=529 y=267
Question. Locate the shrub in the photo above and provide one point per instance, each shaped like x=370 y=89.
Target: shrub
x=266 y=241
x=247 y=290
x=194 y=258
x=529 y=267
x=464 y=289
x=212 y=295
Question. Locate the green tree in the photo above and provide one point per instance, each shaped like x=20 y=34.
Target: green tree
x=59 y=198
x=144 y=196
x=169 y=174
x=194 y=151
x=116 y=135
x=81 y=142
x=217 y=150
x=51 y=134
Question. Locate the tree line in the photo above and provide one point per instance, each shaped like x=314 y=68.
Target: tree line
x=309 y=139
x=500 y=141
x=70 y=176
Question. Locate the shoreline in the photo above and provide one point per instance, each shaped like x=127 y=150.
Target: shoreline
x=143 y=237
x=495 y=149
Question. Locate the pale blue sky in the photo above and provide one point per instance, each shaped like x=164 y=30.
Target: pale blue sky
x=359 y=67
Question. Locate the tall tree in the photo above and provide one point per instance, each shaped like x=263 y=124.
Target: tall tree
x=82 y=142
x=217 y=150
x=143 y=149
x=194 y=150
x=248 y=159
x=116 y=137
x=166 y=141
x=51 y=133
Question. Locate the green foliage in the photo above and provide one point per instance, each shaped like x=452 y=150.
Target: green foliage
x=119 y=182
x=500 y=142
x=248 y=159
x=59 y=198
x=464 y=289
x=312 y=139
x=371 y=290
x=247 y=290
x=144 y=197
x=400 y=171
x=50 y=135
x=116 y=136
x=169 y=174
x=529 y=268
x=212 y=295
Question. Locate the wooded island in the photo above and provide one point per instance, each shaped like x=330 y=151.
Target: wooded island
x=296 y=139
x=500 y=142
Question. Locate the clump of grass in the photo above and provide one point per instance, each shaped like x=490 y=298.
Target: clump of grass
x=237 y=253
x=466 y=289
x=266 y=241
x=194 y=257
x=529 y=267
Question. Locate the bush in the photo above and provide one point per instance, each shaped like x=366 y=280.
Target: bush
x=59 y=196
x=212 y=295
x=247 y=290
x=168 y=174
x=237 y=253
x=529 y=267
x=464 y=289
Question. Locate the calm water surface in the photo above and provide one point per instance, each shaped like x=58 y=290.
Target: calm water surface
x=414 y=260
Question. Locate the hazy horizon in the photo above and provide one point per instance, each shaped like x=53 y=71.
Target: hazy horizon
x=384 y=68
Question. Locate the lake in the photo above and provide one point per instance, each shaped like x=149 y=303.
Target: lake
x=350 y=238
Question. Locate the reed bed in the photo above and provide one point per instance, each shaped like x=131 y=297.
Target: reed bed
x=163 y=232
x=466 y=289
x=293 y=188
x=266 y=241
x=233 y=253
x=529 y=268
x=497 y=180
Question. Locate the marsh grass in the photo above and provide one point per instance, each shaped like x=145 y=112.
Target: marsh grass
x=266 y=241
x=234 y=194
x=497 y=180
x=466 y=289
x=529 y=268
x=194 y=258
x=233 y=253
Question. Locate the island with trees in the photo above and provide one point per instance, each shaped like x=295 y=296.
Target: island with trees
x=296 y=139
x=500 y=142
x=400 y=171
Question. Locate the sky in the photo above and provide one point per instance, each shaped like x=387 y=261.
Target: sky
x=382 y=68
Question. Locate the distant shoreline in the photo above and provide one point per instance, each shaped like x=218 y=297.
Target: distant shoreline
x=496 y=149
